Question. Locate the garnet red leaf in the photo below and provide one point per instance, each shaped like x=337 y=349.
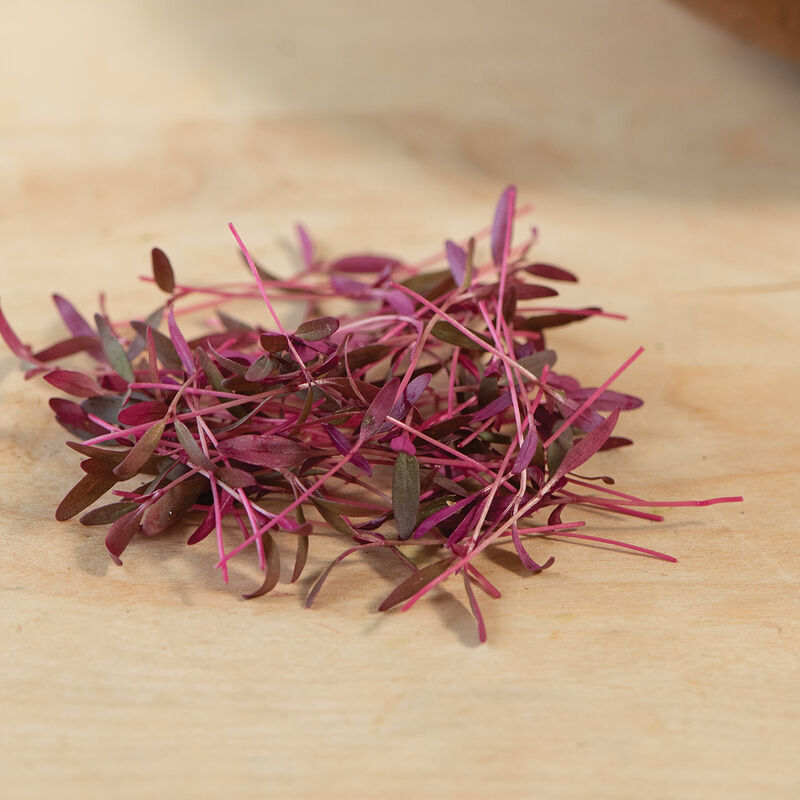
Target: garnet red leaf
x=275 y=452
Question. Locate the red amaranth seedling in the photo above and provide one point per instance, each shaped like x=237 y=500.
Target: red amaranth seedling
x=443 y=376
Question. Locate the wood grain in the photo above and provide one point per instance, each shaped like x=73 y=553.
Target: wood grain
x=662 y=158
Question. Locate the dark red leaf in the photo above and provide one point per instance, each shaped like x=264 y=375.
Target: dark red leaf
x=275 y=452
x=88 y=489
x=273 y=572
x=143 y=412
x=550 y=272
x=140 y=453
x=75 y=383
x=162 y=271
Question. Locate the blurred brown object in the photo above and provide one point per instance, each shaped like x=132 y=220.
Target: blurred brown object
x=774 y=24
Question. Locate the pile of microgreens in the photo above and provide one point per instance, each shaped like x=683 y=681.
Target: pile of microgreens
x=442 y=377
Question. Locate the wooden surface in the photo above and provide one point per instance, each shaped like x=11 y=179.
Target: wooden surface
x=663 y=160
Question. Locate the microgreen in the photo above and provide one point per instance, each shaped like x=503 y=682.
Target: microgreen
x=439 y=376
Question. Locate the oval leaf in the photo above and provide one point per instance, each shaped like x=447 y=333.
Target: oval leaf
x=405 y=494
x=275 y=452
x=162 y=271
x=121 y=533
x=316 y=329
x=75 y=383
x=457 y=259
x=379 y=409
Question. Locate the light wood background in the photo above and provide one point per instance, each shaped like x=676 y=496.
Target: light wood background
x=664 y=161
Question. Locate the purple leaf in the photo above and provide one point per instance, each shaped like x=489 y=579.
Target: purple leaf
x=273 y=571
x=342 y=444
x=363 y=263
x=400 y=302
x=430 y=522
x=121 y=533
x=348 y=286
x=412 y=393
x=495 y=407
x=14 y=344
x=527 y=450
x=179 y=343
x=75 y=323
x=502 y=225
x=306 y=245
x=457 y=259
x=274 y=452
x=379 y=409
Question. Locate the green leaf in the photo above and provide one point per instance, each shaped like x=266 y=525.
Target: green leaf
x=405 y=494
x=190 y=445
x=445 y=332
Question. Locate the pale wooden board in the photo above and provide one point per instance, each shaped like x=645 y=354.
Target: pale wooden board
x=663 y=160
